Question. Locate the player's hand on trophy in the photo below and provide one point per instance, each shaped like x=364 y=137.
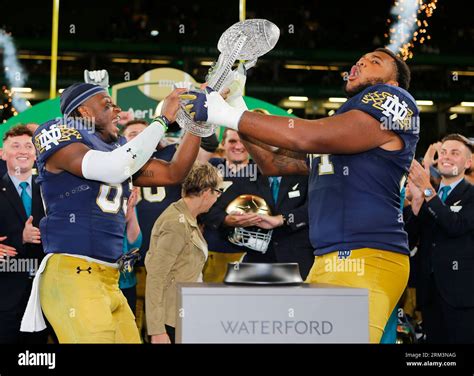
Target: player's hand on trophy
x=209 y=106
x=97 y=77
x=195 y=103
x=171 y=104
x=160 y=338
x=235 y=86
x=6 y=250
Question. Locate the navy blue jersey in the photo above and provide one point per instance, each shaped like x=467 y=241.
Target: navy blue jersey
x=354 y=199
x=154 y=200
x=83 y=217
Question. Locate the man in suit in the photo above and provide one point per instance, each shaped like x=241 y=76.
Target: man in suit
x=3 y=165
x=443 y=222
x=287 y=197
x=21 y=209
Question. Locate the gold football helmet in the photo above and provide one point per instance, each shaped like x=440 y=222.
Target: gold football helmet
x=252 y=237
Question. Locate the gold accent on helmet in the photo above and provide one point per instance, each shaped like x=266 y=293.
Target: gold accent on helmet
x=246 y=204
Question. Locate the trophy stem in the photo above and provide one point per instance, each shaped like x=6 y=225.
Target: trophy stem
x=246 y=40
x=225 y=63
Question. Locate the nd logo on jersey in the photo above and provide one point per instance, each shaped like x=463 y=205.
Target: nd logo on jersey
x=391 y=107
x=54 y=135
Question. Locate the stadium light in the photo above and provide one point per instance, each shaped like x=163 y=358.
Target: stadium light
x=424 y=103
x=140 y=61
x=22 y=89
x=312 y=67
x=463 y=73
x=298 y=99
x=337 y=100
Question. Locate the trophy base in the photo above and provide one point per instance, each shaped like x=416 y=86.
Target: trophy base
x=197 y=128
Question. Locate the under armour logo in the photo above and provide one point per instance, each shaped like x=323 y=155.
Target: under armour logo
x=393 y=107
x=129 y=150
x=83 y=270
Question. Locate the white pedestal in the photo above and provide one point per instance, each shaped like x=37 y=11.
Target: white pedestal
x=310 y=313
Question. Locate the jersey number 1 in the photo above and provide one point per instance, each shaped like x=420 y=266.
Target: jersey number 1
x=325 y=166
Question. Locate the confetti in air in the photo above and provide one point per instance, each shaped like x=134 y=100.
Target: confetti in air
x=409 y=25
x=14 y=74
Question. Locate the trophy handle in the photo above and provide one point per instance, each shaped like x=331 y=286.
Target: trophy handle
x=245 y=40
x=215 y=78
x=218 y=74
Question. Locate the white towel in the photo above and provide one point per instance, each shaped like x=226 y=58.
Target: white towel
x=33 y=320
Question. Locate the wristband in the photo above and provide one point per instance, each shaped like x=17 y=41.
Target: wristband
x=163 y=120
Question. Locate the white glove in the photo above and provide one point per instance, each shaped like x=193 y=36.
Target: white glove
x=236 y=84
x=209 y=106
x=238 y=103
x=97 y=77
x=222 y=113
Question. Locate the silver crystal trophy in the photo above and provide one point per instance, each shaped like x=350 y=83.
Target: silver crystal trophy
x=246 y=41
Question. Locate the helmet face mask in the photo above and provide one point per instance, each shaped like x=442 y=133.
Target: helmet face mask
x=252 y=237
x=257 y=240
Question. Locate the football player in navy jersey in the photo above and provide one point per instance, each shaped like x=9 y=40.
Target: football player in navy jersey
x=358 y=160
x=85 y=170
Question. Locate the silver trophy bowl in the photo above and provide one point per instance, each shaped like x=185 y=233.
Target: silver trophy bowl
x=246 y=40
x=262 y=36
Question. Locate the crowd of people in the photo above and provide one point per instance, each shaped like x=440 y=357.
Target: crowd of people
x=99 y=227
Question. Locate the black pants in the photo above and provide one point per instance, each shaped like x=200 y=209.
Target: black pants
x=131 y=296
x=444 y=323
x=171 y=333
x=10 y=322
